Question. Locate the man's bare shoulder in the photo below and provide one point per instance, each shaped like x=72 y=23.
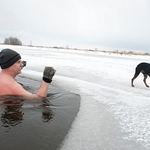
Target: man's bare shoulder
x=10 y=86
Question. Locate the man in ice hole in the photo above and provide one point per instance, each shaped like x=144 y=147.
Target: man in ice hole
x=11 y=65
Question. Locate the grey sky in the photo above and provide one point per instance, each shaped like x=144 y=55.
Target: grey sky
x=102 y=24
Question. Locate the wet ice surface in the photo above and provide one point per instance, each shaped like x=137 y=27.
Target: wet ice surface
x=113 y=115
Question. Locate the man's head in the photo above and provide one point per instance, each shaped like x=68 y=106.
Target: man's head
x=8 y=57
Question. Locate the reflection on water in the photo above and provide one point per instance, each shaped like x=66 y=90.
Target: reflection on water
x=47 y=114
x=11 y=114
x=12 y=110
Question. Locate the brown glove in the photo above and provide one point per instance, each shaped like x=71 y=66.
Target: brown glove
x=48 y=74
x=24 y=64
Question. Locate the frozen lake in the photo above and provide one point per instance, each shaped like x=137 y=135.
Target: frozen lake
x=113 y=115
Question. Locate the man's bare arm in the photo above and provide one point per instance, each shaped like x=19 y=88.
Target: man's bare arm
x=43 y=89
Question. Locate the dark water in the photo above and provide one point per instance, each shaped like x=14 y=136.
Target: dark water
x=28 y=125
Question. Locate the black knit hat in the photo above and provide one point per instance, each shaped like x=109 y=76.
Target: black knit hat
x=8 y=57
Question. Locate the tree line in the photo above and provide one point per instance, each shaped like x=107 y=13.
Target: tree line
x=12 y=41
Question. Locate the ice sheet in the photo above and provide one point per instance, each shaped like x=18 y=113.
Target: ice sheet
x=113 y=115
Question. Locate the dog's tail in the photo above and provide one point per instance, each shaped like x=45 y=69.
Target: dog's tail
x=137 y=71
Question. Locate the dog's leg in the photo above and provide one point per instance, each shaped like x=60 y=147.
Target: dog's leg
x=137 y=72
x=145 y=77
x=132 y=81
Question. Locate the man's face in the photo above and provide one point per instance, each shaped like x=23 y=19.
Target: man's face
x=16 y=67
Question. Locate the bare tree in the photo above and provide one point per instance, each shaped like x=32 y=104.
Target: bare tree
x=12 y=41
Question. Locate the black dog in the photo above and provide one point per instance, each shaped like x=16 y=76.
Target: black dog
x=143 y=68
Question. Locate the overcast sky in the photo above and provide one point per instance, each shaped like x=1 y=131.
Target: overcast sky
x=101 y=24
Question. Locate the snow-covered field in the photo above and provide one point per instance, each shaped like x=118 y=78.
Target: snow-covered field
x=113 y=115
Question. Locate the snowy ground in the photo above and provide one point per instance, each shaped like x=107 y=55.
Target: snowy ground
x=113 y=115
